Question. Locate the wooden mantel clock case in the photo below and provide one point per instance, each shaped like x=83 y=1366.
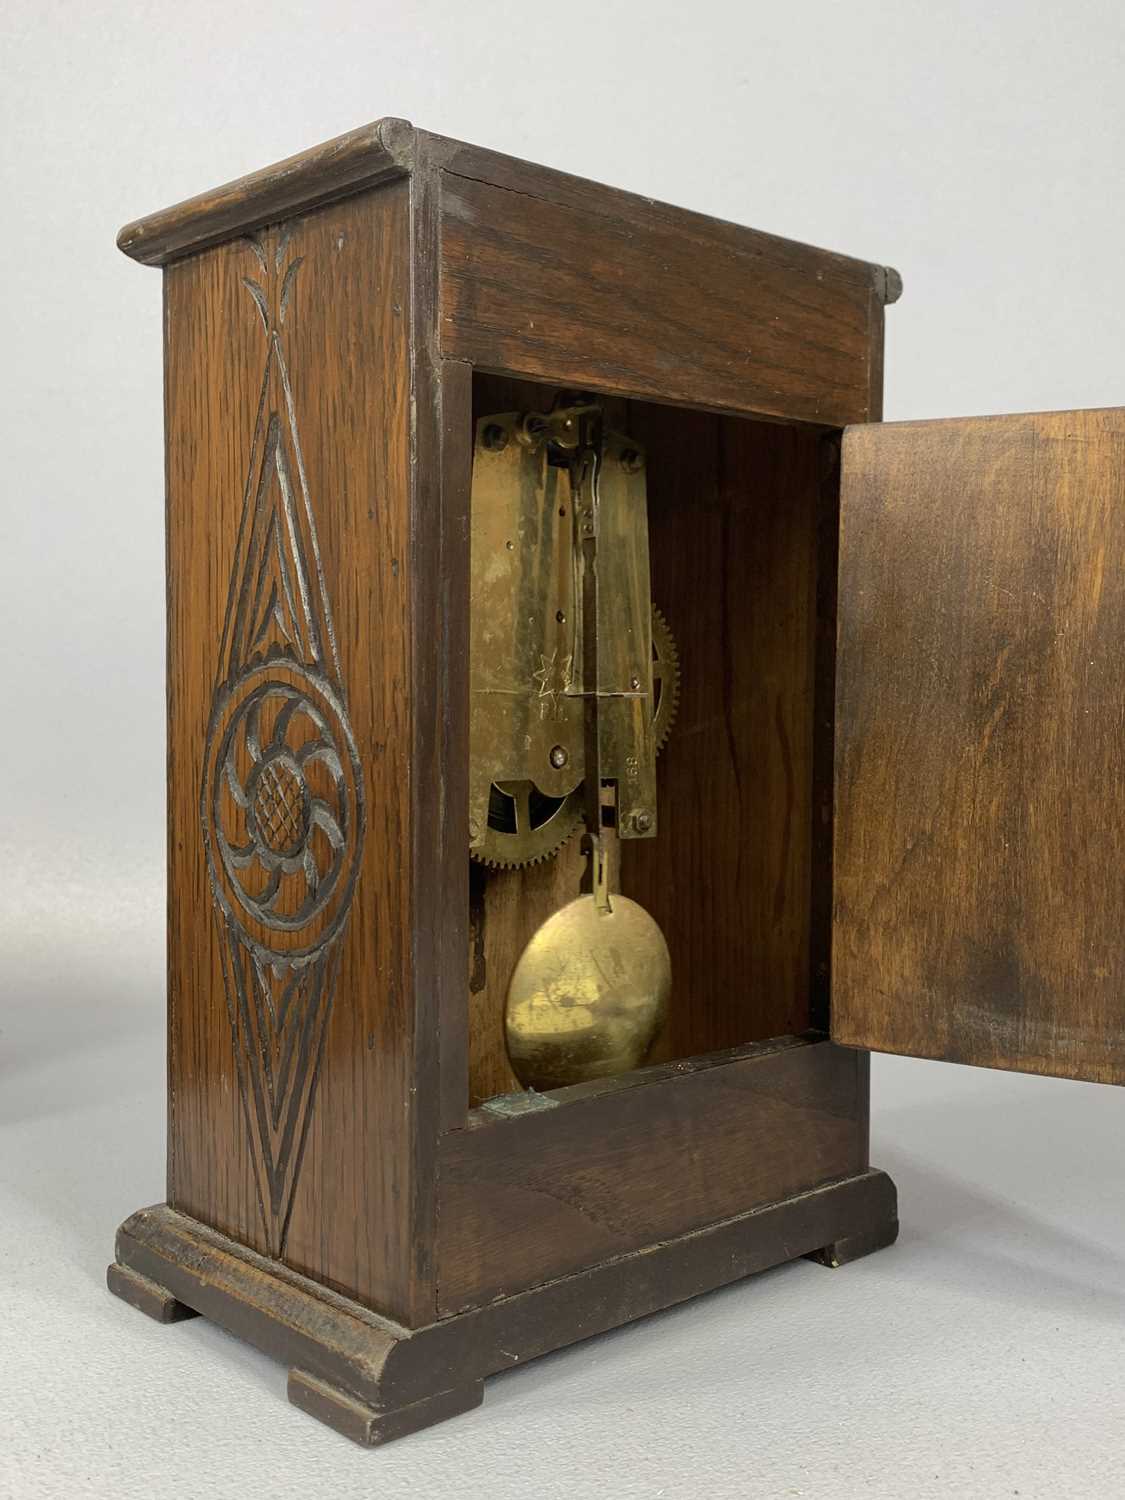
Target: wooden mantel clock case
x=589 y=730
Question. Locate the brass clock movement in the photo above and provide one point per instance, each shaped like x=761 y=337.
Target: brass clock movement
x=573 y=681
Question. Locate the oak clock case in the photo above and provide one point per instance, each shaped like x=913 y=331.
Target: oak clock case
x=590 y=730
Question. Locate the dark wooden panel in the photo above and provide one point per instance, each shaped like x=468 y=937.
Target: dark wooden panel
x=461 y=159
x=320 y=369
x=824 y=734
x=524 y=1200
x=733 y=530
x=659 y=304
x=444 y=897
x=980 y=820
x=877 y=330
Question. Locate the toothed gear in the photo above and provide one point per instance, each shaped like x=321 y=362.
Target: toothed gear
x=526 y=826
x=665 y=678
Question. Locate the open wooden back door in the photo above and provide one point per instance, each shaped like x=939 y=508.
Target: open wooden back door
x=979 y=868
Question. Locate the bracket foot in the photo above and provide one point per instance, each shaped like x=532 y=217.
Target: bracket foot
x=369 y=1427
x=840 y=1252
x=155 y=1301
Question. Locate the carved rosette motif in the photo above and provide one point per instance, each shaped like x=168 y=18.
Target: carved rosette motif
x=281 y=805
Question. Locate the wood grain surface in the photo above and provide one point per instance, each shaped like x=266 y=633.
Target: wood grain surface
x=980 y=792
x=357 y=1197
x=734 y=510
x=531 y=179
x=621 y=300
x=524 y=1200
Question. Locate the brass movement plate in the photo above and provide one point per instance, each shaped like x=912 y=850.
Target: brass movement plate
x=526 y=642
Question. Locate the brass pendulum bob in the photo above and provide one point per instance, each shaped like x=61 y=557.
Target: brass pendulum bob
x=590 y=991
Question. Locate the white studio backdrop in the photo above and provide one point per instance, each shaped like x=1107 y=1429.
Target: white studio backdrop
x=977 y=148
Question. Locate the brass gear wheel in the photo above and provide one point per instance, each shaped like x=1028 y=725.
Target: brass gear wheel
x=525 y=825
x=665 y=679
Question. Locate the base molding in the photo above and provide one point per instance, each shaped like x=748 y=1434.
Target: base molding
x=374 y=1380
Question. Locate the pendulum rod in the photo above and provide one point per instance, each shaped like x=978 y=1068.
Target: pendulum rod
x=586 y=475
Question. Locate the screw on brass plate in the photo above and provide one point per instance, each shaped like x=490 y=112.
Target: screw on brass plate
x=642 y=821
x=560 y=616
x=559 y=757
x=495 y=437
x=631 y=461
x=635 y=683
x=532 y=429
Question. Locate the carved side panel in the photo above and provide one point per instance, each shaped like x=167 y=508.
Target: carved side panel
x=290 y=988
x=281 y=807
